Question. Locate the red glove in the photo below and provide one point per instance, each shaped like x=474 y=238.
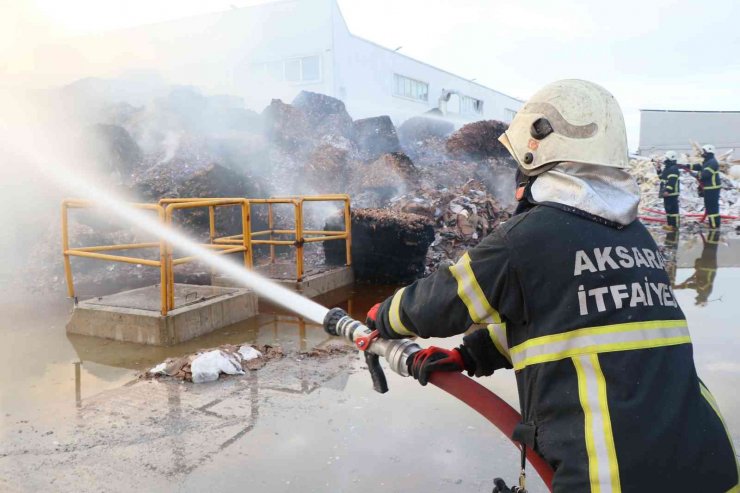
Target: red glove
x=422 y=363
x=372 y=316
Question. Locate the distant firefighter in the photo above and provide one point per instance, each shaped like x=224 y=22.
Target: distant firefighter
x=670 y=190
x=711 y=183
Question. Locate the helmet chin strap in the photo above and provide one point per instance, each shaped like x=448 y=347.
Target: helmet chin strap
x=524 y=181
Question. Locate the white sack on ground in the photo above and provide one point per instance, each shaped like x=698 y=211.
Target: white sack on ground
x=207 y=366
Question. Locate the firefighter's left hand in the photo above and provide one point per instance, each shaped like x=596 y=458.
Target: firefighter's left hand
x=423 y=363
x=499 y=486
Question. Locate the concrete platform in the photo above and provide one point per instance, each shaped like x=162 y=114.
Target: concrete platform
x=133 y=316
x=317 y=281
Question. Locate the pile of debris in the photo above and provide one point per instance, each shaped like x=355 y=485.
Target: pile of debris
x=388 y=246
x=182 y=143
x=209 y=364
x=462 y=216
x=478 y=140
x=645 y=172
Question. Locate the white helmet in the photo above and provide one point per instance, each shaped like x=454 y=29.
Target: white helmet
x=568 y=120
x=707 y=148
x=670 y=156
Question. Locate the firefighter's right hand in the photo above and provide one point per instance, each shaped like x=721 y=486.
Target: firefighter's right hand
x=372 y=317
x=425 y=362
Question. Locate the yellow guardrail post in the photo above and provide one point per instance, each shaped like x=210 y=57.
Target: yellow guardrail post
x=348 y=229
x=299 y=238
x=65 y=249
x=163 y=276
x=211 y=222
x=247 y=233
x=271 y=226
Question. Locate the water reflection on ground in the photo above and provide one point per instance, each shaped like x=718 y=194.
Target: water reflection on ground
x=327 y=415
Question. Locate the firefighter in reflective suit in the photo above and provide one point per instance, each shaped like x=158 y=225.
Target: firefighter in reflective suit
x=572 y=294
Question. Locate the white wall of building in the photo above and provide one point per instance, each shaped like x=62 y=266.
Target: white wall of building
x=662 y=130
x=254 y=52
x=364 y=80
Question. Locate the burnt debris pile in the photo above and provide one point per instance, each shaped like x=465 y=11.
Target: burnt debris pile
x=388 y=246
x=413 y=185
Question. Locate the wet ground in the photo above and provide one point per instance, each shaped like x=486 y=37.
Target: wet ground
x=73 y=416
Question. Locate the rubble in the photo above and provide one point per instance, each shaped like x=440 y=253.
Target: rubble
x=177 y=142
x=326 y=169
x=208 y=365
x=286 y=126
x=384 y=178
x=327 y=116
x=374 y=137
x=113 y=149
x=387 y=245
x=180 y=178
x=417 y=134
x=645 y=172
x=462 y=216
x=478 y=140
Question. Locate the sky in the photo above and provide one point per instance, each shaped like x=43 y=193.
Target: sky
x=664 y=54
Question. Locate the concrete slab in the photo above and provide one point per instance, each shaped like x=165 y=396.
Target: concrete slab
x=133 y=316
x=317 y=281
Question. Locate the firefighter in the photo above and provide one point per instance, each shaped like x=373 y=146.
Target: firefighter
x=572 y=294
x=710 y=183
x=670 y=190
x=705 y=269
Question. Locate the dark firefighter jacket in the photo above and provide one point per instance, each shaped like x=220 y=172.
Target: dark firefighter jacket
x=709 y=172
x=584 y=312
x=669 y=179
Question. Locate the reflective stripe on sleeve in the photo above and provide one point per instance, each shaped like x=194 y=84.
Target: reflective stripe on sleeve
x=603 y=469
x=607 y=338
x=713 y=404
x=394 y=315
x=498 y=336
x=470 y=292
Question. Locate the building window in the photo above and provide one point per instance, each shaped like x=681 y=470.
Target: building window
x=470 y=106
x=410 y=88
x=295 y=70
x=510 y=114
x=310 y=68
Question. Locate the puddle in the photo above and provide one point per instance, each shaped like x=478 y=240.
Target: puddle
x=311 y=428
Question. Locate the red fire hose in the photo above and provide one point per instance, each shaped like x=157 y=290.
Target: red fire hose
x=396 y=352
x=493 y=408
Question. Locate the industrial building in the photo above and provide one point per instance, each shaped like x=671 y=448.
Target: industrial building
x=662 y=130
x=277 y=49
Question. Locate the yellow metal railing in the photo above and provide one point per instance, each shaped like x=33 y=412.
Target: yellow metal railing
x=166 y=262
x=298 y=236
x=165 y=210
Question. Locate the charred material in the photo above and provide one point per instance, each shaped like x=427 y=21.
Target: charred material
x=374 y=137
x=387 y=246
x=326 y=115
x=113 y=149
x=478 y=140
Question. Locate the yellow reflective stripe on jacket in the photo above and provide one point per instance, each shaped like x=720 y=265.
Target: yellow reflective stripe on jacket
x=607 y=338
x=498 y=336
x=470 y=292
x=603 y=469
x=713 y=403
x=394 y=315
